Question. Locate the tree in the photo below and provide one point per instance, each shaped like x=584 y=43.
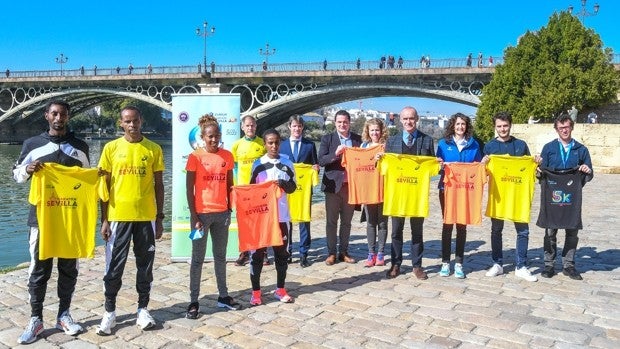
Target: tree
x=560 y=65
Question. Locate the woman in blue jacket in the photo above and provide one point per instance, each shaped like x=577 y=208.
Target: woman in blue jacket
x=458 y=145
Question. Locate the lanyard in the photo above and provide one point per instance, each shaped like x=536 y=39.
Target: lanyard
x=565 y=153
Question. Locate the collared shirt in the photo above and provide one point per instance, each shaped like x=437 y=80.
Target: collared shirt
x=346 y=141
x=406 y=136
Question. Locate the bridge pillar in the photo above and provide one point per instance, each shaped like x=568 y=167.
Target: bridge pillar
x=210 y=88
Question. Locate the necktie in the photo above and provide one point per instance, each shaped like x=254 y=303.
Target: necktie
x=410 y=140
x=295 y=149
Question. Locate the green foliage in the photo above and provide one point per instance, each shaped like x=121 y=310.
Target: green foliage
x=560 y=65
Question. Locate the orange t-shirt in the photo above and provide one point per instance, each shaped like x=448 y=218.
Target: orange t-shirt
x=464 y=185
x=257 y=215
x=210 y=186
x=365 y=181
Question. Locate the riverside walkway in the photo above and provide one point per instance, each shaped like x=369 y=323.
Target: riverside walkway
x=349 y=306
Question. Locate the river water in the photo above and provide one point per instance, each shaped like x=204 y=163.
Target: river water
x=14 y=202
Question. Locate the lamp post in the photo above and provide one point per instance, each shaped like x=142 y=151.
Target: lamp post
x=62 y=59
x=584 y=13
x=266 y=53
x=205 y=33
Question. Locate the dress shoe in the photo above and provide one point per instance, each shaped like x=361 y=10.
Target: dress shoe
x=572 y=273
x=344 y=257
x=393 y=272
x=303 y=261
x=420 y=273
x=331 y=259
x=243 y=259
x=548 y=272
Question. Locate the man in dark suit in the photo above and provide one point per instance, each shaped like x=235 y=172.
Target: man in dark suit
x=300 y=150
x=410 y=141
x=335 y=187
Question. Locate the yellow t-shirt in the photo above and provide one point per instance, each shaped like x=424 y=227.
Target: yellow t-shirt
x=299 y=202
x=132 y=185
x=66 y=201
x=511 y=187
x=406 y=184
x=245 y=152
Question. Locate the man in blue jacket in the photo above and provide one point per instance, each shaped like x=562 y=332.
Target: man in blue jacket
x=300 y=150
x=563 y=154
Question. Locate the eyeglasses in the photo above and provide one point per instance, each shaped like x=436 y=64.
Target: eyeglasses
x=563 y=128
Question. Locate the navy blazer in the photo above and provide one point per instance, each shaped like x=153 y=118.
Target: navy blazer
x=333 y=174
x=424 y=144
x=307 y=151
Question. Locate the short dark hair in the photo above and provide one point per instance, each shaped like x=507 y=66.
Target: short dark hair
x=57 y=102
x=342 y=112
x=296 y=117
x=133 y=108
x=504 y=116
x=562 y=118
x=271 y=131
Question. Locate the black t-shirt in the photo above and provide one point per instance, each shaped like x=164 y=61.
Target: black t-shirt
x=560 y=199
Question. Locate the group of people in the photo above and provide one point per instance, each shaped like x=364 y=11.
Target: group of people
x=131 y=168
x=388 y=63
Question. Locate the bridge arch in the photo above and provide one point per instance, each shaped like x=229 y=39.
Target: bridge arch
x=82 y=99
x=280 y=108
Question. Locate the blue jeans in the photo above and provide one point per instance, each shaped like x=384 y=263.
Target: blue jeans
x=523 y=232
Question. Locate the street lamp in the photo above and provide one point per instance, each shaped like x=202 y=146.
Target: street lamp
x=205 y=33
x=584 y=13
x=266 y=53
x=62 y=59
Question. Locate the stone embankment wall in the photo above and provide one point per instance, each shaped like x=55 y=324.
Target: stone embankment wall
x=603 y=141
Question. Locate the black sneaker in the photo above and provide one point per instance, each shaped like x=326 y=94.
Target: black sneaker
x=572 y=273
x=228 y=302
x=548 y=272
x=193 y=310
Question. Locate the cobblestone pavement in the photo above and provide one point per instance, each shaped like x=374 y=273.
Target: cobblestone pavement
x=349 y=306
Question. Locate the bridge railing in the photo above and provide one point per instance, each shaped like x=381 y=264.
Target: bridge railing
x=149 y=70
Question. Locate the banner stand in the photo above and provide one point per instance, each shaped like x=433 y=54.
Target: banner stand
x=186 y=111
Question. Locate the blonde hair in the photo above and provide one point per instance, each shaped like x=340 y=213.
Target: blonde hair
x=382 y=128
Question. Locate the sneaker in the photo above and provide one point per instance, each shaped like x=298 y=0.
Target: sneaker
x=193 y=310
x=370 y=261
x=380 y=260
x=525 y=274
x=65 y=323
x=256 y=298
x=458 y=271
x=445 y=269
x=282 y=296
x=145 y=321
x=228 y=302
x=108 y=322
x=243 y=259
x=495 y=270
x=34 y=329
x=572 y=273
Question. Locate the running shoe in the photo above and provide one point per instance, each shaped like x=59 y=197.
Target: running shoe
x=108 y=322
x=145 y=321
x=65 y=323
x=33 y=330
x=282 y=296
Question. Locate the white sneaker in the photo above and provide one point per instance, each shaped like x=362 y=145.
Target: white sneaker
x=525 y=274
x=65 y=323
x=145 y=321
x=458 y=271
x=495 y=270
x=445 y=269
x=34 y=329
x=108 y=322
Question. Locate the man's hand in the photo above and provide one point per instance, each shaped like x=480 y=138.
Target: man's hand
x=106 y=232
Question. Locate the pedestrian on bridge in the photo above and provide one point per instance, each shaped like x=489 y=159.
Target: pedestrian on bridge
x=130 y=68
x=325 y=64
x=7 y=73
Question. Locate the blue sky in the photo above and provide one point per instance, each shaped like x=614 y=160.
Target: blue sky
x=115 y=33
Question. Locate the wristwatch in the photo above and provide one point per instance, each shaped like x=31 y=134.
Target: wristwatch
x=160 y=215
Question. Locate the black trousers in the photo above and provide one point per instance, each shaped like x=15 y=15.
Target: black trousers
x=117 y=249
x=39 y=274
